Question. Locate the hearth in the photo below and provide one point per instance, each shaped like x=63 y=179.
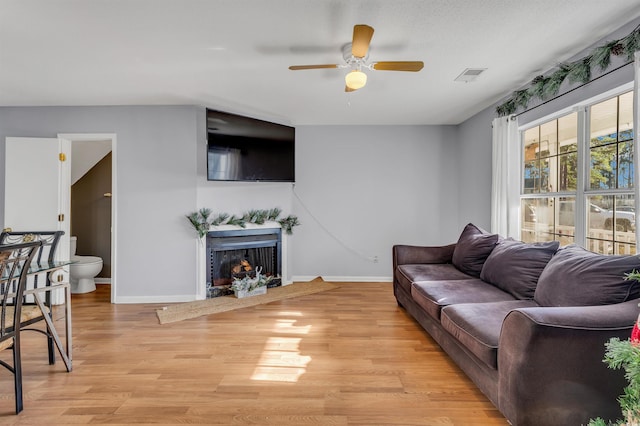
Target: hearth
x=237 y=253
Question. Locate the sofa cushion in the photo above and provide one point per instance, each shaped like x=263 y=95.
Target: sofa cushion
x=432 y=296
x=515 y=266
x=578 y=277
x=477 y=326
x=472 y=249
x=408 y=274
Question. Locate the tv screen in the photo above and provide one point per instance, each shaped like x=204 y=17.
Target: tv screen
x=246 y=149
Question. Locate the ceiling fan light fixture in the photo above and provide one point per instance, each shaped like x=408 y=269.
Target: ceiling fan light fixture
x=355 y=79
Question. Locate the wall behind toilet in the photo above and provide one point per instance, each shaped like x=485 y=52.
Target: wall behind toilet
x=91 y=214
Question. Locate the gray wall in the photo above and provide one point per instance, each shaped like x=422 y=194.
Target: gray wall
x=372 y=187
x=474 y=167
x=358 y=191
x=369 y=187
x=156 y=185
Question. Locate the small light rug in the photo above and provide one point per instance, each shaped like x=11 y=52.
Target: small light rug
x=188 y=310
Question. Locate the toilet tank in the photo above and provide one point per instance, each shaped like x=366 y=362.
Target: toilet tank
x=72 y=245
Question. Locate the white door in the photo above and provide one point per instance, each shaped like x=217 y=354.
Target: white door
x=37 y=187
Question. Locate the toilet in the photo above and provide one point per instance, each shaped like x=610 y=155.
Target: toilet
x=83 y=270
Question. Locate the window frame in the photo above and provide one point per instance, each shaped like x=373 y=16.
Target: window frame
x=583 y=182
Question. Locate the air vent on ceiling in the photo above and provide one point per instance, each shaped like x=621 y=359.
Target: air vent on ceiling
x=470 y=74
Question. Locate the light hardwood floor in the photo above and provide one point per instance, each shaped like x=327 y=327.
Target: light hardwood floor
x=347 y=356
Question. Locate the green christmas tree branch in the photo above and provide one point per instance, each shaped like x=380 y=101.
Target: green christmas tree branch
x=545 y=87
x=201 y=222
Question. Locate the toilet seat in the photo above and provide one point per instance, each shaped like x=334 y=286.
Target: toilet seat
x=83 y=260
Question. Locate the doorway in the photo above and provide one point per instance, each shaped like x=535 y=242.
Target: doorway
x=96 y=226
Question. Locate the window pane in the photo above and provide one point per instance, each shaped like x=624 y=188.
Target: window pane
x=611 y=224
x=536 y=219
x=603 y=171
x=625 y=165
x=604 y=122
x=625 y=120
x=599 y=239
x=547 y=181
x=548 y=139
x=566 y=216
x=568 y=133
x=531 y=177
x=568 y=172
x=528 y=220
x=531 y=144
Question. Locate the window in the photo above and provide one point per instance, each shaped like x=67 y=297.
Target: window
x=550 y=180
x=556 y=204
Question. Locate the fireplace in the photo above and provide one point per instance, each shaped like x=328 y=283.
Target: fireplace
x=237 y=253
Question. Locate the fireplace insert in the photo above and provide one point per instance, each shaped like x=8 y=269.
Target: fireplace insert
x=239 y=252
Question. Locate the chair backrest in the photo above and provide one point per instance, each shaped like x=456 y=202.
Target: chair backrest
x=15 y=260
x=49 y=239
x=46 y=253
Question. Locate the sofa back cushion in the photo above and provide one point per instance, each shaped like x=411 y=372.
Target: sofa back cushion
x=578 y=277
x=515 y=267
x=472 y=249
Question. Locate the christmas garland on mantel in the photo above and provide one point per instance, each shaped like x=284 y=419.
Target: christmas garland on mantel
x=544 y=87
x=201 y=222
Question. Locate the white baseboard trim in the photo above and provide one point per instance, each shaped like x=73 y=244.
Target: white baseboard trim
x=180 y=298
x=103 y=281
x=156 y=299
x=344 y=279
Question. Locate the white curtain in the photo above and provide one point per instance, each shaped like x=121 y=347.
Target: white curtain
x=636 y=140
x=505 y=185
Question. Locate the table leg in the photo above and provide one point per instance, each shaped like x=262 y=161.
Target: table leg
x=64 y=354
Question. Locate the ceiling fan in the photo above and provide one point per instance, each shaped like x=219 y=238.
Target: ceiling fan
x=355 y=56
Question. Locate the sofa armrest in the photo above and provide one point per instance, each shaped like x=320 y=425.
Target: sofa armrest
x=404 y=254
x=550 y=363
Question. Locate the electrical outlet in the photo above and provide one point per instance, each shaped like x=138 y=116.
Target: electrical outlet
x=375 y=259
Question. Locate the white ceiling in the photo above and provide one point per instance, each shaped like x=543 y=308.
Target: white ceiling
x=233 y=54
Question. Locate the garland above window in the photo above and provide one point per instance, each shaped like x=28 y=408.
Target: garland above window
x=544 y=87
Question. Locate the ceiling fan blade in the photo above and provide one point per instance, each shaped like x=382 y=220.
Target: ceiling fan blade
x=312 y=67
x=398 y=66
x=361 y=38
x=349 y=89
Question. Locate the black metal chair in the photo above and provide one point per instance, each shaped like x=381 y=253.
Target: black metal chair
x=31 y=313
x=14 y=266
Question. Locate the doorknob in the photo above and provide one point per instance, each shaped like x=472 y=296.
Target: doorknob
x=107 y=194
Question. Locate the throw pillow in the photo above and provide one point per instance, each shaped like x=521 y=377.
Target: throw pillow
x=515 y=267
x=578 y=277
x=472 y=249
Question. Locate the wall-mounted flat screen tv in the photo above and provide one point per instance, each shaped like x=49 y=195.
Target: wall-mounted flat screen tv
x=246 y=149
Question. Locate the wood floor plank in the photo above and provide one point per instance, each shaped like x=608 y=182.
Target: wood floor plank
x=344 y=357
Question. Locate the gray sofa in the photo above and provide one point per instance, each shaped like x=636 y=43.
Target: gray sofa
x=526 y=322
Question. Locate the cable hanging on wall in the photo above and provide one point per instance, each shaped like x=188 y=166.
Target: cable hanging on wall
x=359 y=254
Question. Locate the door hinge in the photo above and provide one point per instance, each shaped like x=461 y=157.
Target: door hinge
x=61 y=217
x=62 y=156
